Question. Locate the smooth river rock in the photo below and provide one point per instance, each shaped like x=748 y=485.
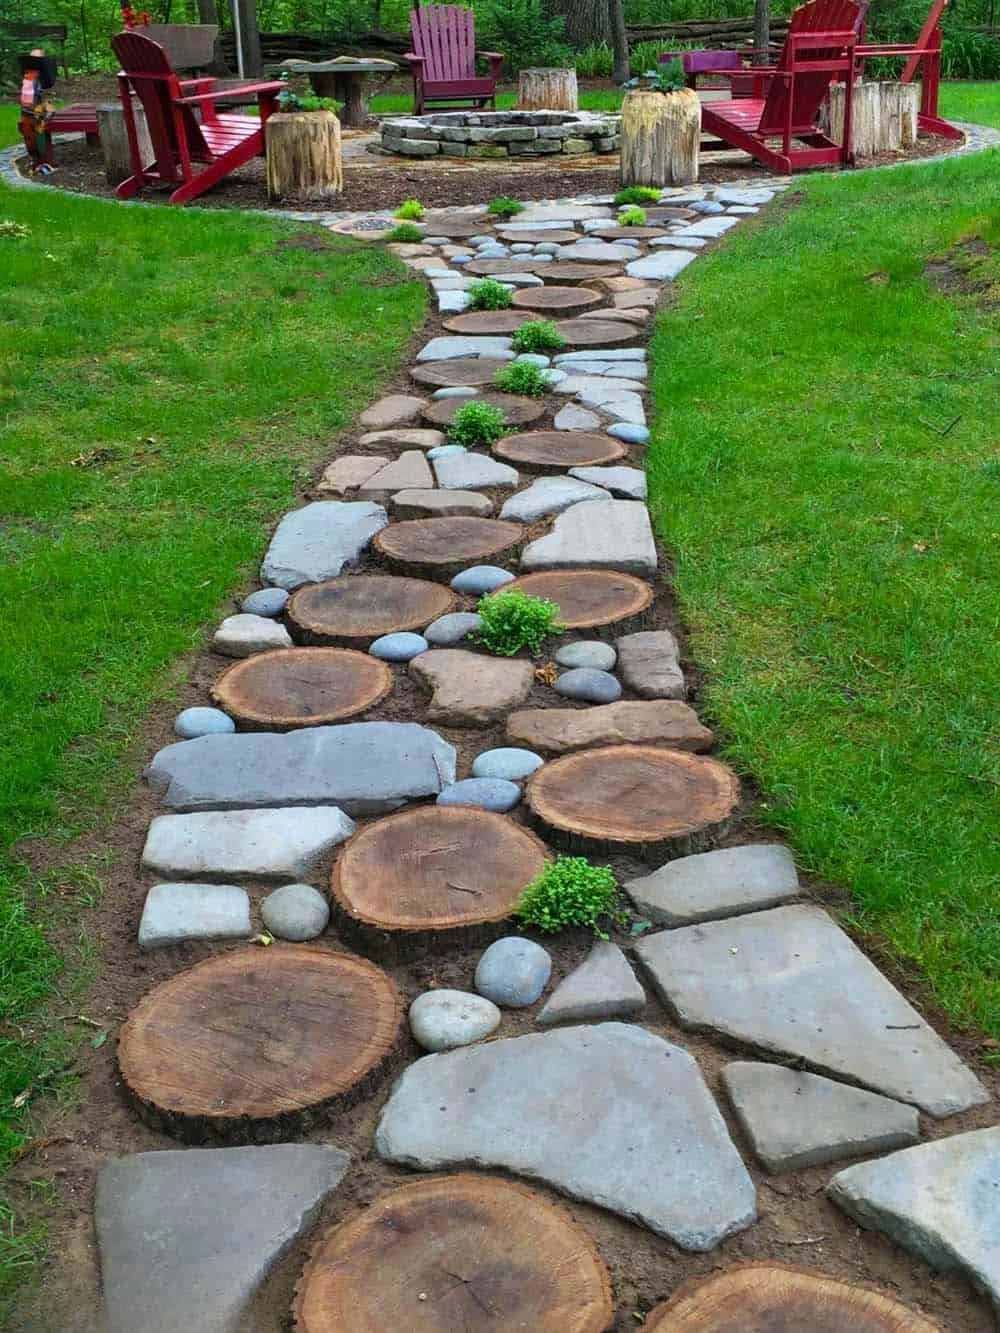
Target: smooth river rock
x=452 y=628
x=603 y=986
x=726 y=882
x=265 y=602
x=471 y=689
x=243 y=635
x=513 y=972
x=507 y=762
x=559 y=730
x=401 y=646
x=592 y=653
x=497 y=794
x=175 y=913
x=295 y=912
x=194 y=722
x=602 y=534
x=442 y=1019
x=478 y=580
x=244 y=844
x=319 y=540
x=595 y=687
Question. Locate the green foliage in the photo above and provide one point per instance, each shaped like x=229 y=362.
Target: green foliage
x=571 y=892
x=523 y=378
x=476 y=423
x=537 y=335
x=638 y=194
x=512 y=621
x=14 y=231
x=632 y=217
x=488 y=294
x=524 y=33
x=405 y=232
x=505 y=207
x=595 y=61
x=305 y=101
x=667 y=78
x=646 y=55
x=410 y=210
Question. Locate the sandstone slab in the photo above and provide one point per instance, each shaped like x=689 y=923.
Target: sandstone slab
x=471 y=689
x=625 y=483
x=347 y=473
x=726 y=882
x=603 y=986
x=662 y=266
x=650 y=664
x=548 y=495
x=560 y=730
x=460 y=472
x=263 y=845
x=176 y=913
x=319 y=540
x=395 y=410
x=438 y=504
x=410 y=471
x=243 y=635
x=603 y=534
x=417 y=437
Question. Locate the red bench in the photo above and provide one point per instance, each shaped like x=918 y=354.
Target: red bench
x=81 y=117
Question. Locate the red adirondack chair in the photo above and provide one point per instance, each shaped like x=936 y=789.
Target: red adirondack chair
x=222 y=141
x=443 y=59
x=819 y=48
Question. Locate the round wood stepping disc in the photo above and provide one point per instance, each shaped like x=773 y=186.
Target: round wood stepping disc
x=557 y=298
x=763 y=1298
x=627 y=233
x=495 y=268
x=301 y=687
x=403 y=883
x=473 y=370
x=574 y=270
x=608 y=332
x=452 y=227
x=452 y=1254
x=356 y=609
x=591 y=598
x=517 y=411
x=553 y=237
x=488 y=322
x=666 y=802
x=249 y=1045
x=558 y=450
x=442 y=547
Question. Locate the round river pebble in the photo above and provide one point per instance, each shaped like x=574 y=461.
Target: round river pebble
x=480 y=579
x=629 y=433
x=446 y=450
x=399 y=647
x=295 y=912
x=453 y=628
x=508 y=762
x=456 y=391
x=595 y=687
x=440 y=1020
x=587 y=653
x=488 y=793
x=265 y=602
x=513 y=972
x=194 y=722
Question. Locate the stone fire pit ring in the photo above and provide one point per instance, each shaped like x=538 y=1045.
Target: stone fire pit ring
x=501 y=134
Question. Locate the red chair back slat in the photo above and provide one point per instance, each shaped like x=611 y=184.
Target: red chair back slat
x=445 y=35
x=149 y=72
x=841 y=21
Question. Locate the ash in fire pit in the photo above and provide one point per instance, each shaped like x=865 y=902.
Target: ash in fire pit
x=501 y=134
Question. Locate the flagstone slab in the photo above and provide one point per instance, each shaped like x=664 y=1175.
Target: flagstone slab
x=646 y=1140
x=471 y=689
x=408 y=472
x=468 y=471
x=661 y=266
x=940 y=1201
x=263 y=845
x=445 y=349
x=558 y=214
x=187 y=1237
x=616 y=402
x=722 y=883
x=347 y=473
x=710 y=228
x=650 y=664
x=735 y=195
x=624 y=483
x=319 y=540
x=603 y=534
x=415 y=436
x=789 y=981
x=441 y=504
x=365 y=768
x=395 y=410
x=602 y=987
x=597 y=251
x=560 y=730
x=572 y=417
x=549 y=495
x=176 y=913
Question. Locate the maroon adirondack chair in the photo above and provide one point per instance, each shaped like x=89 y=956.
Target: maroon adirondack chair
x=443 y=59
x=820 y=47
x=222 y=142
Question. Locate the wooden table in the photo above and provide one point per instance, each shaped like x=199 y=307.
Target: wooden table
x=344 y=80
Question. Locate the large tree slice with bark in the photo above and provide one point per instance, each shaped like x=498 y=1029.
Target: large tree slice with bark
x=557 y=298
x=592 y=599
x=301 y=687
x=443 y=547
x=558 y=450
x=517 y=411
x=490 y=322
x=355 y=609
x=463 y=370
x=608 y=332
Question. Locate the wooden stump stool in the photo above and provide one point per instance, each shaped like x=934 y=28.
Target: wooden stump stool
x=303 y=155
x=114 y=140
x=661 y=136
x=547 y=89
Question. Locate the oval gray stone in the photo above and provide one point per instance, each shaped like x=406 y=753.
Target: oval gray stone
x=453 y=628
x=446 y=450
x=399 y=647
x=534 y=359
x=508 y=762
x=596 y=687
x=295 y=912
x=456 y=391
x=265 y=602
x=488 y=793
x=629 y=432
x=442 y=1019
x=513 y=972
x=194 y=722
x=590 y=653
x=480 y=579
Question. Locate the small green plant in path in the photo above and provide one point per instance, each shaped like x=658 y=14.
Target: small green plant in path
x=571 y=892
x=475 y=424
x=405 y=232
x=632 y=217
x=524 y=378
x=505 y=207
x=489 y=295
x=537 y=335
x=513 y=621
x=410 y=210
x=637 y=194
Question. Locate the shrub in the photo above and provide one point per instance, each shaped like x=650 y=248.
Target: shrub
x=638 y=194
x=525 y=34
x=476 y=423
x=645 y=55
x=537 y=335
x=489 y=295
x=290 y=101
x=570 y=892
x=512 y=620
x=632 y=217
x=406 y=231
x=410 y=209
x=505 y=207
x=596 y=61
x=524 y=378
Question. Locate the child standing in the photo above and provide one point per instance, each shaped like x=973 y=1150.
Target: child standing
x=38 y=77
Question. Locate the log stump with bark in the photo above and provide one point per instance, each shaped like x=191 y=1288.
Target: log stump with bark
x=114 y=140
x=545 y=89
x=303 y=155
x=883 y=117
x=301 y=687
x=661 y=136
x=602 y=602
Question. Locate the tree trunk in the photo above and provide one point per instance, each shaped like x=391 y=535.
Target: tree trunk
x=761 y=31
x=114 y=140
x=619 y=41
x=883 y=117
x=208 y=11
x=587 y=21
x=661 y=136
x=303 y=155
x=546 y=90
x=248 y=44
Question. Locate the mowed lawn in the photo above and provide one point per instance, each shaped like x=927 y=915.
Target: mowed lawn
x=825 y=469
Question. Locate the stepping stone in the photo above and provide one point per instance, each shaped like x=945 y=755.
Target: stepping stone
x=243 y=635
x=194 y=722
x=317 y=541
x=566 y=359
x=480 y=580
x=596 y=252
x=172 y=1260
x=938 y=1200
x=705 y=206
x=591 y=599
x=630 y=432
x=723 y=883
x=662 y=266
x=556 y=235
x=359 y=608
x=467 y=471
x=572 y=417
x=710 y=227
x=449 y=349
x=548 y=495
x=442 y=1019
x=551 y=298
x=794 y=1119
x=575 y=271
x=513 y=972
x=682 y=241
x=517 y=411
x=347 y=473
x=471 y=689
x=443 y=547
x=602 y=987
x=742 y=210
x=432 y=876
x=365 y=768
x=603 y=534
x=614 y=401
x=496 y=794
x=301 y=687
x=259 y=1041
x=450 y=303
x=555 y=450
x=446 y=450
x=489 y=321
x=441 y=504
x=593 y=653
x=644 y=296
x=295 y=912
x=599 y=386
x=789 y=981
x=453 y=225
x=409 y=471
x=508 y=268
x=650 y=666
x=414 y=435
x=561 y=213
x=452 y=629
x=589 y=684
x=625 y=483
x=395 y=410
x=399 y=647
x=176 y=913
x=622 y=370
x=661 y=803
x=265 y=602
x=733 y=195
x=244 y=844
x=646 y=1142
x=464 y=372
x=511 y=764
x=598 y=332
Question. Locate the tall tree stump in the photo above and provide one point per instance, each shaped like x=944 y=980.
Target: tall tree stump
x=547 y=90
x=303 y=155
x=114 y=140
x=661 y=135
x=883 y=116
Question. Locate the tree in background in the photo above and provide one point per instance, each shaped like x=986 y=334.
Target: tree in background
x=619 y=41
x=761 y=31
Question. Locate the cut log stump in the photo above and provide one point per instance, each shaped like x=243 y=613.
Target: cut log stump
x=463 y=370
x=430 y=876
x=557 y=298
x=356 y=609
x=454 y=1253
x=661 y=136
x=600 y=601
x=550 y=451
x=658 y=803
x=761 y=1298
x=253 y=1046
x=301 y=687
x=517 y=411
x=883 y=116
x=114 y=140
x=303 y=155
x=440 y=548
x=547 y=89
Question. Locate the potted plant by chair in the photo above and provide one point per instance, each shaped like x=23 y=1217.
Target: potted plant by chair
x=303 y=148
x=661 y=129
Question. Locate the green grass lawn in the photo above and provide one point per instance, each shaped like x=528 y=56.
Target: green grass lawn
x=826 y=471
x=9 y=132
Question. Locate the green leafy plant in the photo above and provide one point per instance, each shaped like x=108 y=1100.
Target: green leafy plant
x=666 y=78
x=411 y=210
x=504 y=207
x=537 y=335
x=525 y=33
x=571 y=892
x=405 y=232
x=524 y=378
x=512 y=620
x=476 y=423
x=596 y=61
x=289 y=101
x=489 y=295
x=638 y=194
x=632 y=217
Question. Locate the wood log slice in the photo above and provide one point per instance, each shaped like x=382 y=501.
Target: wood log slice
x=495 y=268
x=521 y=1263
x=659 y=803
x=547 y=88
x=558 y=450
x=356 y=609
x=463 y=370
x=301 y=687
x=576 y=271
x=608 y=332
x=490 y=322
x=430 y=876
x=629 y=233
x=594 y=600
x=442 y=547
x=455 y=226
x=517 y=411
x=254 y=1045
x=762 y=1298
x=557 y=298
x=541 y=237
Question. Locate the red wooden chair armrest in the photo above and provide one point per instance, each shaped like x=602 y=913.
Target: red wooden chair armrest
x=207 y=80
x=414 y=59
x=232 y=93
x=490 y=55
